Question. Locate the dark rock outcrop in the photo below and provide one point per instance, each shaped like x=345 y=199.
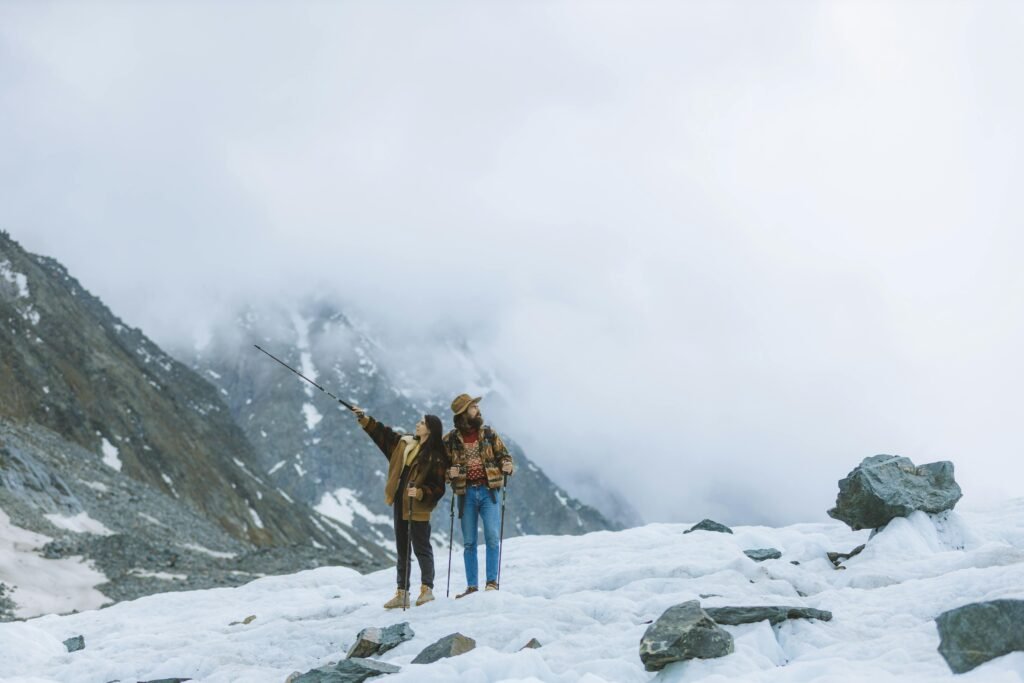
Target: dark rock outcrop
x=884 y=487
x=709 y=525
x=974 y=634
x=532 y=645
x=683 y=632
x=353 y=670
x=449 y=646
x=733 y=616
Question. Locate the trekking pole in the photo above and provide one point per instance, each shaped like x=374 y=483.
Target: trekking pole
x=501 y=538
x=408 y=556
x=347 y=405
x=451 y=534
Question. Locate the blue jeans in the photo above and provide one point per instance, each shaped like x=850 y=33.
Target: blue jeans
x=478 y=503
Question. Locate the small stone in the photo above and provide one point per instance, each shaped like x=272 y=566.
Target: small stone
x=532 y=645
x=449 y=646
x=376 y=641
x=75 y=644
x=762 y=554
x=249 y=619
x=709 y=525
x=837 y=558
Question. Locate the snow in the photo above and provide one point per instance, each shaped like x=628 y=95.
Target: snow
x=163 y=576
x=312 y=415
x=97 y=486
x=46 y=390
x=255 y=518
x=305 y=357
x=588 y=600
x=207 y=551
x=276 y=467
x=213 y=374
x=344 y=506
x=14 y=278
x=81 y=523
x=40 y=585
x=111 y=456
x=151 y=519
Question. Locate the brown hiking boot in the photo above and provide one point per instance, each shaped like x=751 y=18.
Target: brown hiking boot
x=468 y=591
x=401 y=599
x=491 y=586
x=426 y=595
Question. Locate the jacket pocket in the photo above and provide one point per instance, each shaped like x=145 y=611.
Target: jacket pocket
x=494 y=478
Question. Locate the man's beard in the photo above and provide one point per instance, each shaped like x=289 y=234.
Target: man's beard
x=471 y=424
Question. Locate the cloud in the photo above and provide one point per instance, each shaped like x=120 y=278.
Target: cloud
x=717 y=253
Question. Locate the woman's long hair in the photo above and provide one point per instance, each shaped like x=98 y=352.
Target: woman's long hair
x=433 y=449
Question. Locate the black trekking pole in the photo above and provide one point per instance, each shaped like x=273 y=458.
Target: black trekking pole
x=344 y=403
x=408 y=557
x=451 y=535
x=501 y=538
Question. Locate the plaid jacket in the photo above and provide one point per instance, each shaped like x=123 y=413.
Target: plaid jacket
x=493 y=453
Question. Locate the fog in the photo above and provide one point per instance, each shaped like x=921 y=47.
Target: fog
x=716 y=252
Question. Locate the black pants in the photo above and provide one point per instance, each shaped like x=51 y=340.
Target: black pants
x=420 y=546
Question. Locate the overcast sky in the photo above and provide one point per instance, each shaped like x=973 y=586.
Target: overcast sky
x=719 y=252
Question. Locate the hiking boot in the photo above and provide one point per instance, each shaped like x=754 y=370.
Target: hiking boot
x=468 y=591
x=426 y=595
x=491 y=586
x=401 y=599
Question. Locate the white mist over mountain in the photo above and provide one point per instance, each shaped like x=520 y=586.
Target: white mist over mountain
x=714 y=253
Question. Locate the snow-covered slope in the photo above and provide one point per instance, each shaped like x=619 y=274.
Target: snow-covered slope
x=587 y=599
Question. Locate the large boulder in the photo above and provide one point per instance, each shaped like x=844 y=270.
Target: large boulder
x=884 y=487
x=683 y=632
x=709 y=525
x=733 y=616
x=355 y=670
x=973 y=634
x=376 y=641
x=449 y=646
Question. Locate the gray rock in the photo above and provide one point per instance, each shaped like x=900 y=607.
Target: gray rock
x=837 y=558
x=75 y=644
x=167 y=680
x=683 y=632
x=532 y=645
x=884 y=487
x=973 y=634
x=762 y=554
x=733 y=616
x=449 y=646
x=355 y=670
x=709 y=525
x=376 y=641
x=7 y=605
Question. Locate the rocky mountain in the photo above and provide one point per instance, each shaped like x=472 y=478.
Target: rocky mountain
x=313 y=449
x=86 y=399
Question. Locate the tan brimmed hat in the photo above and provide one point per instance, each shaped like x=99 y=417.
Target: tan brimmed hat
x=463 y=401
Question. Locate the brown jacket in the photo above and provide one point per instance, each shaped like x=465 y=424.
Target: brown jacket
x=493 y=453
x=425 y=473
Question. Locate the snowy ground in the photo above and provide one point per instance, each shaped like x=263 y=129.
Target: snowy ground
x=587 y=600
